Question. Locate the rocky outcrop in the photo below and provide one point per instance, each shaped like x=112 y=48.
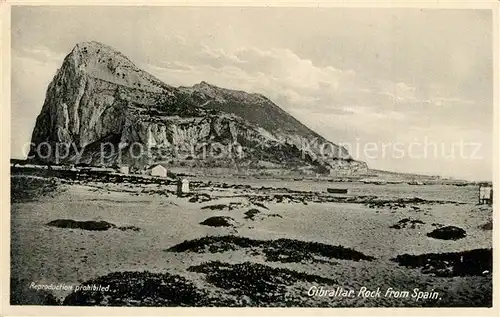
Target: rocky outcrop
x=99 y=106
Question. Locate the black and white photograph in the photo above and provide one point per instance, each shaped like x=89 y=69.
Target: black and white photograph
x=251 y=156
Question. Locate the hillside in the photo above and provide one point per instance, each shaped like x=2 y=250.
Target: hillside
x=101 y=105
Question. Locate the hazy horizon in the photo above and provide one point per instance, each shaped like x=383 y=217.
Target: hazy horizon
x=380 y=76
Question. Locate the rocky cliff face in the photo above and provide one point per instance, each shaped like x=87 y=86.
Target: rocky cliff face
x=101 y=109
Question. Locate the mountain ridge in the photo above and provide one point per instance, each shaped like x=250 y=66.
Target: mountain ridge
x=100 y=94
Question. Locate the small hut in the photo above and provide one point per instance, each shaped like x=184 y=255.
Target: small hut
x=485 y=194
x=182 y=186
x=124 y=169
x=158 y=170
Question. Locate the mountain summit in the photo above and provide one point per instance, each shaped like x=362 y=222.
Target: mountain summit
x=100 y=105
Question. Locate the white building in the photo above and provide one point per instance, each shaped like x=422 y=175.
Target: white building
x=158 y=170
x=124 y=170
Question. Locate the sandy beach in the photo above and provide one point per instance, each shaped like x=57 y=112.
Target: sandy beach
x=296 y=239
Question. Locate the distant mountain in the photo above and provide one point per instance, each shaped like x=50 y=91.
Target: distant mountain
x=99 y=100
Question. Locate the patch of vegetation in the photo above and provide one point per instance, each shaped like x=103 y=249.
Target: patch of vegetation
x=280 y=198
x=199 y=198
x=125 y=228
x=89 y=225
x=395 y=203
x=280 y=250
x=160 y=192
x=219 y=221
x=85 y=225
x=25 y=188
x=296 y=249
x=230 y=206
x=250 y=214
x=477 y=262
x=487 y=226
x=262 y=284
x=140 y=289
x=407 y=223
x=285 y=198
x=260 y=205
x=305 y=197
x=448 y=233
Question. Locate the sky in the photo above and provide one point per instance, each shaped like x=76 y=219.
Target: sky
x=405 y=90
